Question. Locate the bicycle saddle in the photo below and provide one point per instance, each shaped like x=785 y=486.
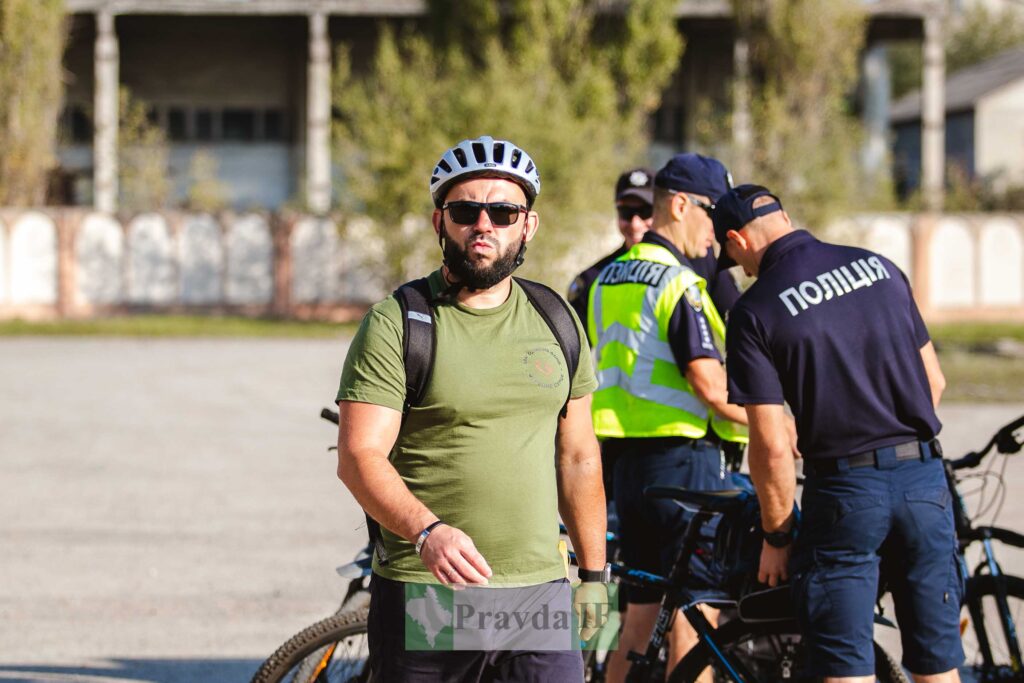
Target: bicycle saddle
x=710 y=501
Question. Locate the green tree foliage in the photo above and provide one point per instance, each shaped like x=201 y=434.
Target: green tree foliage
x=206 y=191
x=536 y=74
x=804 y=65
x=977 y=35
x=32 y=35
x=143 y=157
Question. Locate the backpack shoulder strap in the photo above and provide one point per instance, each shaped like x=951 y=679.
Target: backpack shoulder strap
x=418 y=342
x=555 y=312
x=418 y=338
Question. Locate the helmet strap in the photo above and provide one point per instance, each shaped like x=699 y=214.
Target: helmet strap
x=521 y=256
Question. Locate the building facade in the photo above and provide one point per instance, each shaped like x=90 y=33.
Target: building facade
x=249 y=82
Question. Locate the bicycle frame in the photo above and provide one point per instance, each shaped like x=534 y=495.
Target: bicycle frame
x=967 y=534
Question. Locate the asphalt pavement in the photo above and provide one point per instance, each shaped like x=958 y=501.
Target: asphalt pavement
x=169 y=511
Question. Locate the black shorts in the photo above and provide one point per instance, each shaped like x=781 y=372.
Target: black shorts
x=391 y=661
x=651 y=531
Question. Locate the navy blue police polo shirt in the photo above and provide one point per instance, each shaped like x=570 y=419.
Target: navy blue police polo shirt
x=721 y=284
x=834 y=332
x=689 y=333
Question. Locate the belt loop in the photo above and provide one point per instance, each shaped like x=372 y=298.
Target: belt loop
x=842 y=465
x=926 y=451
x=885 y=458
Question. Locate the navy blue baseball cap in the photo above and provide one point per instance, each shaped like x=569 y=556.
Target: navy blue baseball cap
x=694 y=173
x=735 y=209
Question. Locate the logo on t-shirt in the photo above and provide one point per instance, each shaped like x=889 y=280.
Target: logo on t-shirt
x=543 y=368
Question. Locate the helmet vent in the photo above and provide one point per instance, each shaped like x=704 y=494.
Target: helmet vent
x=433 y=179
x=479 y=152
x=460 y=156
x=516 y=156
x=499 y=152
x=529 y=167
x=445 y=165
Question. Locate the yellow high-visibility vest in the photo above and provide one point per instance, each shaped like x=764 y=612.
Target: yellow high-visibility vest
x=642 y=392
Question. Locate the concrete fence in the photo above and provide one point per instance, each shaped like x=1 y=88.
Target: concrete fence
x=962 y=266
x=77 y=263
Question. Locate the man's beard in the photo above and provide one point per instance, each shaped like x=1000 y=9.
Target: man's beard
x=475 y=274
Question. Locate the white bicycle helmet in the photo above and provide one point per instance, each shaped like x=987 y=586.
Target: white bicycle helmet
x=485 y=157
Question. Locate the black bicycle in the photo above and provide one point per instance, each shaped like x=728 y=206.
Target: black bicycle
x=993 y=600
x=759 y=641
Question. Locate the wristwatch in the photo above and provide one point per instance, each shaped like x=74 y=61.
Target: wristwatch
x=596 y=575
x=778 y=539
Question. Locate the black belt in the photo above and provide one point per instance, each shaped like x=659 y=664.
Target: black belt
x=911 y=450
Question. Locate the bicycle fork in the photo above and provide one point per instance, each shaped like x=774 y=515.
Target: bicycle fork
x=1005 y=618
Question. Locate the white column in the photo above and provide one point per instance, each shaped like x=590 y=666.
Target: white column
x=318 y=117
x=105 y=109
x=877 y=95
x=742 y=134
x=933 y=113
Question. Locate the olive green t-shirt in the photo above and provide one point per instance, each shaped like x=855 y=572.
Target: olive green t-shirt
x=479 y=451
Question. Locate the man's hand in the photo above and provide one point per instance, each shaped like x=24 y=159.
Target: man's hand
x=590 y=603
x=450 y=555
x=774 y=564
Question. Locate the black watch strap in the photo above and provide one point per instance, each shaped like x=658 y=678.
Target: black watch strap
x=596 y=575
x=778 y=539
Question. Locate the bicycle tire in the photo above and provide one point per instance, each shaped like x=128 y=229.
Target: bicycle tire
x=767 y=662
x=977 y=589
x=292 y=663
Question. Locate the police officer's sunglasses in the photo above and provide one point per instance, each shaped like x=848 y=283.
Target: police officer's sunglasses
x=626 y=213
x=500 y=213
x=708 y=208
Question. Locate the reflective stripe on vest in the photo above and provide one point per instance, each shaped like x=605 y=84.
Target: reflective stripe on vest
x=642 y=391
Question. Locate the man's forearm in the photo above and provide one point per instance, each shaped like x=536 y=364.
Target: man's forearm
x=581 y=503
x=729 y=411
x=380 y=491
x=771 y=468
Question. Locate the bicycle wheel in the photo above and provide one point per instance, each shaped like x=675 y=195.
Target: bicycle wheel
x=980 y=599
x=330 y=651
x=770 y=652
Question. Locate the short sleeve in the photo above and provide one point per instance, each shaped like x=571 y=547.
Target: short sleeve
x=752 y=376
x=584 y=382
x=689 y=332
x=374 y=371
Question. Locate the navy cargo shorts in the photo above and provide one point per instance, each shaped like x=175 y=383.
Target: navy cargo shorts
x=896 y=512
x=651 y=531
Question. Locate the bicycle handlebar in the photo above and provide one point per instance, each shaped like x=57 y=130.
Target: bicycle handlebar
x=1005 y=440
x=329 y=415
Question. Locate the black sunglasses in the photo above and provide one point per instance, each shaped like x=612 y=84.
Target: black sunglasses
x=626 y=213
x=708 y=208
x=500 y=213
